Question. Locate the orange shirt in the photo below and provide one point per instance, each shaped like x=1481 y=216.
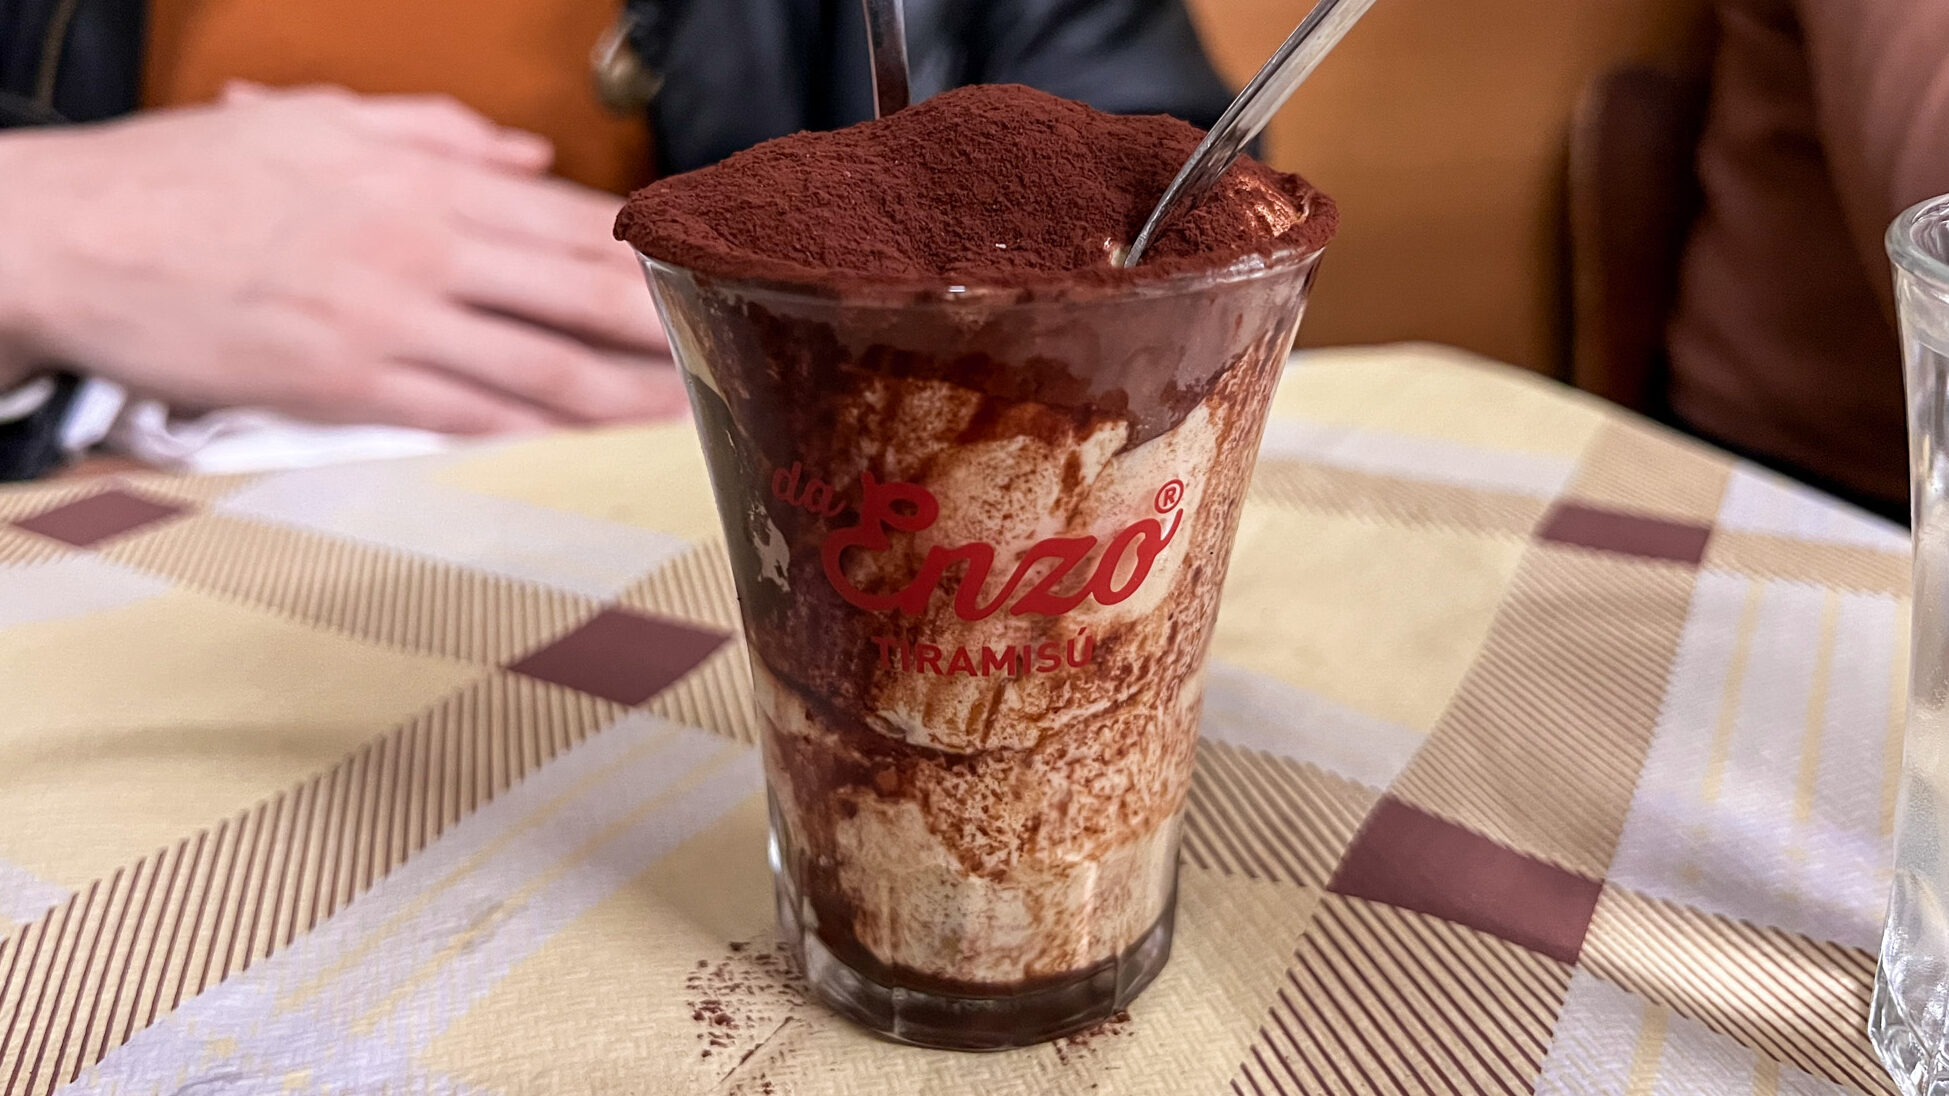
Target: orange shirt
x=523 y=63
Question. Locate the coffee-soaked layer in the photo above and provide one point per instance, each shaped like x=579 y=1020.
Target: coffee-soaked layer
x=983 y=186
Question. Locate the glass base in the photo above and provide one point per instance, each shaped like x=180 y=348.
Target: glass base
x=1914 y=1058
x=1054 y=1008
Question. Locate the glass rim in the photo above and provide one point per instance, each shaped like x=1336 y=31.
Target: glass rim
x=907 y=294
x=1909 y=255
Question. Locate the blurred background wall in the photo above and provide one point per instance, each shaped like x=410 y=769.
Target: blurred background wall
x=1442 y=128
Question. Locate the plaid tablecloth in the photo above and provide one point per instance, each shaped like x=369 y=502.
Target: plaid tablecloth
x=1545 y=751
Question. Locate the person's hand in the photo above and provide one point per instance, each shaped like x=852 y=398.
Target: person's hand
x=334 y=257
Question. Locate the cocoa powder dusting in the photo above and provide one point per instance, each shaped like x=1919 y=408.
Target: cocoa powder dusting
x=985 y=185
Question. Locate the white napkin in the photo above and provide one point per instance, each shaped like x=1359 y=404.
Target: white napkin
x=232 y=440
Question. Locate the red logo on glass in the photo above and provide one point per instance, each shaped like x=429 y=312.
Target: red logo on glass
x=1079 y=572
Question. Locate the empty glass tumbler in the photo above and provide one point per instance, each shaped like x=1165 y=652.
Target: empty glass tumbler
x=1910 y=1021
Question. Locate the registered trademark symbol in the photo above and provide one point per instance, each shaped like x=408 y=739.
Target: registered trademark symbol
x=1169 y=495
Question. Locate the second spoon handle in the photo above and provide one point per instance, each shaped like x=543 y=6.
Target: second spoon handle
x=1317 y=34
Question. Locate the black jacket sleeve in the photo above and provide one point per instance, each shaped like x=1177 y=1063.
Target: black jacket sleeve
x=1120 y=56
x=69 y=60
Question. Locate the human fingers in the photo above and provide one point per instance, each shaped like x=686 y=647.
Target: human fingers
x=559 y=374
x=601 y=298
x=441 y=124
x=546 y=211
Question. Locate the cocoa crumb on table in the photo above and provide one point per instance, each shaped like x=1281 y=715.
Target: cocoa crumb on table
x=747 y=992
x=1072 y=1048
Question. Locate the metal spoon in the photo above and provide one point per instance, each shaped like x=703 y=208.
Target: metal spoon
x=886 y=39
x=1324 y=26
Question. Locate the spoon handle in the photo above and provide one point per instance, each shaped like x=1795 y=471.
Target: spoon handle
x=886 y=39
x=1322 y=29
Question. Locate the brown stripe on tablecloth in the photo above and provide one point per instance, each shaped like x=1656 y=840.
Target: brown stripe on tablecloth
x=193 y=866
x=1542 y=746
x=240 y=839
x=65 y=1008
x=1639 y=468
x=19 y=549
x=1414 y=860
x=42 y=951
x=715 y=697
x=1788 y=997
x=59 y=1057
x=1384 y=1001
x=624 y=656
x=205 y=862
x=695 y=586
x=26 y=1066
x=96 y=519
x=1628 y=534
x=188 y=916
x=1299 y=485
x=26 y=953
x=159 y=874
x=279 y=894
x=374 y=593
x=1268 y=817
x=91 y=987
x=1837 y=566
x=319 y=896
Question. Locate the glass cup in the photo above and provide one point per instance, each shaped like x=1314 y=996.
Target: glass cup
x=978 y=537
x=1910 y=1018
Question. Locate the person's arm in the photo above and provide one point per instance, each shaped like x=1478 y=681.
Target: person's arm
x=1120 y=56
x=1881 y=86
x=332 y=257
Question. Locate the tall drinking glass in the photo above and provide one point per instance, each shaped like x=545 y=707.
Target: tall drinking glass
x=1910 y=1020
x=978 y=537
